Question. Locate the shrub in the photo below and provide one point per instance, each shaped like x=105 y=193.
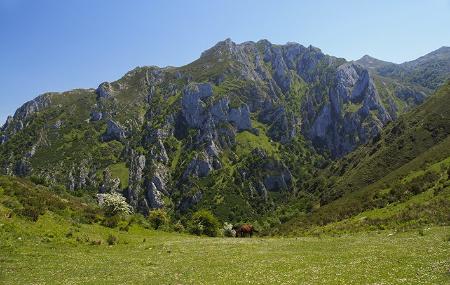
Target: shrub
x=115 y=204
x=203 y=222
x=111 y=222
x=112 y=239
x=158 y=218
x=228 y=230
x=39 y=180
x=178 y=227
x=32 y=213
x=138 y=219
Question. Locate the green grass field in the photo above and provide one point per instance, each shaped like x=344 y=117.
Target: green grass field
x=54 y=251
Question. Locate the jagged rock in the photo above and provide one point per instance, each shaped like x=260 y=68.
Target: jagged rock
x=109 y=184
x=322 y=123
x=340 y=130
x=240 y=117
x=71 y=181
x=193 y=107
x=104 y=91
x=137 y=166
x=24 y=113
x=154 y=197
x=114 y=131
x=96 y=116
x=8 y=122
x=281 y=72
x=83 y=174
x=33 y=106
x=156 y=187
x=190 y=201
x=160 y=153
x=198 y=168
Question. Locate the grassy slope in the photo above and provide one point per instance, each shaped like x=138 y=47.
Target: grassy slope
x=42 y=253
x=412 y=135
x=408 y=147
x=60 y=249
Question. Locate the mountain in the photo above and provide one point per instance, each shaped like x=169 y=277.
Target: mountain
x=408 y=159
x=372 y=63
x=430 y=71
x=242 y=130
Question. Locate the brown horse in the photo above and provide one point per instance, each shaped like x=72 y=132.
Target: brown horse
x=244 y=230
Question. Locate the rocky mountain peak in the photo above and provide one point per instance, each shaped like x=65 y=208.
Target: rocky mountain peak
x=181 y=132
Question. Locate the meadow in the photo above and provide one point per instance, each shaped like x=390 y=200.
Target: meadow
x=54 y=251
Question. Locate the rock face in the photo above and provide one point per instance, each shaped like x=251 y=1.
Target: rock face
x=104 y=91
x=156 y=189
x=96 y=116
x=109 y=185
x=136 y=171
x=339 y=129
x=24 y=113
x=114 y=131
x=198 y=168
x=193 y=106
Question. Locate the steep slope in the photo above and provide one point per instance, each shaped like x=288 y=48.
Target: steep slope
x=409 y=157
x=240 y=130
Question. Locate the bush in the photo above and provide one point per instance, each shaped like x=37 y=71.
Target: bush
x=228 y=230
x=203 y=222
x=178 y=227
x=32 y=213
x=111 y=222
x=114 y=204
x=158 y=218
x=112 y=239
x=39 y=180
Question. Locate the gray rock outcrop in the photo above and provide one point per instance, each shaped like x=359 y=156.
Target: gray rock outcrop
x=114 y=131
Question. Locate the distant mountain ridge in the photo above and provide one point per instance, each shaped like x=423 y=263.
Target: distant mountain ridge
x=429 y=71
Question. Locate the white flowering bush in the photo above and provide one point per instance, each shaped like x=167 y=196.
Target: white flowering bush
x=115 y=204
x=228 y=230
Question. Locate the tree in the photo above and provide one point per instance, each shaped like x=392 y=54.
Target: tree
x=114 y=204
x=203 y=222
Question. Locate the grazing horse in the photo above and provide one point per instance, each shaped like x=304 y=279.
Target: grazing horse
x=244 y=230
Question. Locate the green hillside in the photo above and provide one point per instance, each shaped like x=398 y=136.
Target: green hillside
x=410 y=157
x=66 y=244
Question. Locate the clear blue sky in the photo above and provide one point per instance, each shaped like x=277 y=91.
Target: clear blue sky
x=57 y=45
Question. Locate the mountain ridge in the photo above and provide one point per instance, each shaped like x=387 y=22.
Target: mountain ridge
x=239 y=130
